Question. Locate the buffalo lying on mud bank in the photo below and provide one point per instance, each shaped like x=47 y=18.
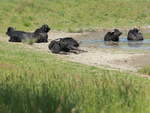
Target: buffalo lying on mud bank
x=40 y=34
x=66 y=44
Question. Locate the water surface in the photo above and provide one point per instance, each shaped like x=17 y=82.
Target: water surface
x=96 y=39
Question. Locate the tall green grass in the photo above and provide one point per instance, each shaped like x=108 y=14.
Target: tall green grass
x=73 y=15
x=145 y=70
x=37 y=82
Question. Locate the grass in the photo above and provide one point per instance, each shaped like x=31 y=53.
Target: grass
x=145 y=70
x=73 y=15
x=38 y=82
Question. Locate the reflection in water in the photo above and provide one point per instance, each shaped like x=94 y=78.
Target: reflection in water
x=135 y=43
x=122 y=44
x=111 y=43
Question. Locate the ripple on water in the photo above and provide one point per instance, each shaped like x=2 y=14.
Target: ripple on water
x=122 y=44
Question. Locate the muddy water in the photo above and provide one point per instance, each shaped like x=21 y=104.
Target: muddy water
x=96 y=39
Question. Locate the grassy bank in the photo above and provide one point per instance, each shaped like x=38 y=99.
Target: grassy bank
x=145 y=70
x=37 y=82
x=73 y=15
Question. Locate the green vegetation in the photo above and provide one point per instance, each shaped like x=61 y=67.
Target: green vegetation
x=145 y=70
x=37 y=82
x=73 y=15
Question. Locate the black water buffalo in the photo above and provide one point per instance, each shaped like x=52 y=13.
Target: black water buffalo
x=66 y=44
x=135 y=35
x=40 y=34
x=112 y=36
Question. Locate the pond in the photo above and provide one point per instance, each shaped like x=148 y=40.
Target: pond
x=95 y=39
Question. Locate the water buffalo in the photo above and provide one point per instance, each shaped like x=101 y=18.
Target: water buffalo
x=40 y=34
x=66 y=44
x=135 y=35
x=112 y=36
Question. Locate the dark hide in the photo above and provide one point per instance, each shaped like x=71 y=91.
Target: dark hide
x=135 y=35
x=18 y=36
x=66 y=44
x=40 y=35
x=112 y=36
